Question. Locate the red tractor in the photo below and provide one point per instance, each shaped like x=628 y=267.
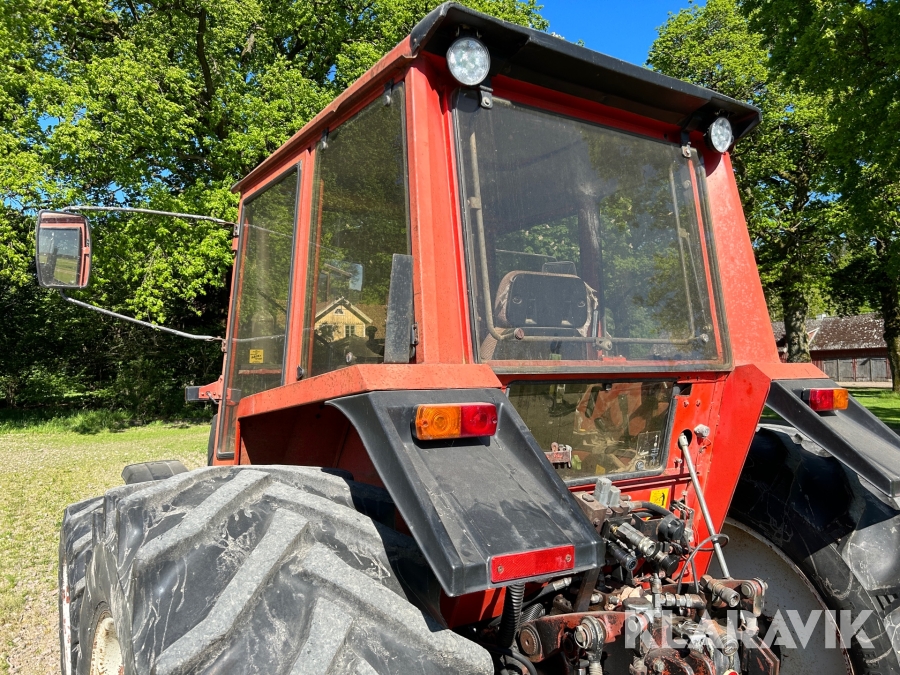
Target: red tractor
x=495 y=364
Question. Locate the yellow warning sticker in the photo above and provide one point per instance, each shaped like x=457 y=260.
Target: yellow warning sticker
x=660 y=497
x=256 y=356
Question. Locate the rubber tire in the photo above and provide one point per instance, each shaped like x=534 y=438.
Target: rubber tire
x=211 y=442
x=812 y=509
x=268 y=570
x=74 y=551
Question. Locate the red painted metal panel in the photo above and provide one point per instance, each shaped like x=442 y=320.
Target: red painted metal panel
x=440 y=300
x=368 y=377
x=790 y=371
x=298 y=269
x=745 y=305
x=719 y=463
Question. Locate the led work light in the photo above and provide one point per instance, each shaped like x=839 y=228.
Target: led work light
x=469 y=61
x=719 y=136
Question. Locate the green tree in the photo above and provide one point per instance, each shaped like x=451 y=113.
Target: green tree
x=161 y=104
x=846 y=51
x=781 y=169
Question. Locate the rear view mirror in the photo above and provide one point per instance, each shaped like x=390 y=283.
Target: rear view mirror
x=63 y=250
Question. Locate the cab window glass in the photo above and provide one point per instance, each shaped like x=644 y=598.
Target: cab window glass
x=262 y=296
x=584 y=242
x=359 y=221
x=591 y=429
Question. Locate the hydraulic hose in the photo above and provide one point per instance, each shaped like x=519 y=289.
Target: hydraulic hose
x=535 y=611
x=512 y=615
x=650 y=506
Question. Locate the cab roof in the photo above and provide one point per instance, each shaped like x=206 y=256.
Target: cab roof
x=551 y=62
x=539 y=58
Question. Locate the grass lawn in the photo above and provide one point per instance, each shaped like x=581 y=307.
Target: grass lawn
x=45 y=469
x=883 y=402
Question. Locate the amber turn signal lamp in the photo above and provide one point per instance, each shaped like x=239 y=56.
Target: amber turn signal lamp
x=532 y=563
x=822 y=400
x=457 y=420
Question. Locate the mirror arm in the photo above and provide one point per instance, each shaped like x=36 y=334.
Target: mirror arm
x=78 y=303
x=127 y=209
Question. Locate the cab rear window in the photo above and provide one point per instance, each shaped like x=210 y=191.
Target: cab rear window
x=597 y=428
x=585 y=243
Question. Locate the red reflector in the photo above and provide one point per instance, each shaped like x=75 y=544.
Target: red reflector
x=532 y=563
x=827 y=399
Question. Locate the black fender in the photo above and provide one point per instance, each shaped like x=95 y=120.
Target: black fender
x=841 y=532
x=786 y=469
x=854 y=437
x=467 y=501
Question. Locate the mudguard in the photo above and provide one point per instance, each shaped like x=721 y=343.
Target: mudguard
x=854 y=436
x=469 y=500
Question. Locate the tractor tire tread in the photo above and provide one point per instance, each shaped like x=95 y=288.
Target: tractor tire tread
x=277 y=570
x=75 y=543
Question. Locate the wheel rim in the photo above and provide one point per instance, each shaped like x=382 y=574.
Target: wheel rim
x=751 y=555
x=106 y=655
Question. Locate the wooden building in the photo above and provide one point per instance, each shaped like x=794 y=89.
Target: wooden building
x=847 y=348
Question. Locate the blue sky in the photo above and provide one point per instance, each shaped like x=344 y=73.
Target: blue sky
x=621 y=28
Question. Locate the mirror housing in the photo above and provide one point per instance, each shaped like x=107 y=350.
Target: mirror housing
x=62 y=250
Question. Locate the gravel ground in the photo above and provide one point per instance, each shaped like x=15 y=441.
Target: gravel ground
x=41 y=474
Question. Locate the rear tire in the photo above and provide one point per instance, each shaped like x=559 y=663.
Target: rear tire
x=840 y=537
x=211 y=442
x=269 y=570
x=74 y=553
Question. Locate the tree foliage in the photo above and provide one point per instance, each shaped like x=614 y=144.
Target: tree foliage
x=782 y=169
x=846 y=52
x=161 y=104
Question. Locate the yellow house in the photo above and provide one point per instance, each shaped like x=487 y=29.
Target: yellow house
x=341 y=319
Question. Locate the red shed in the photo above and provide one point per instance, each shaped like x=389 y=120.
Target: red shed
x=847 y=348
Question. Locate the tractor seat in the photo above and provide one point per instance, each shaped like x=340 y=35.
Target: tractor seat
x=542 y=303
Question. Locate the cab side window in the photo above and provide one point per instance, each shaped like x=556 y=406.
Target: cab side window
x=261 y=297
x=359 y=220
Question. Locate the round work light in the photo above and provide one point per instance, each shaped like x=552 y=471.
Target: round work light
x=719 y=136
x=469 y=61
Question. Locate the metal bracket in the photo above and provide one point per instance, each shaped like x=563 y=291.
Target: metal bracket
x=205 y=392
x=486 y=96
x=588 y=582
x=400 y=323
x=686 y=143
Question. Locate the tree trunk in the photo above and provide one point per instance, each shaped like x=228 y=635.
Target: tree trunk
x=796 y=309
x=890 y=311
